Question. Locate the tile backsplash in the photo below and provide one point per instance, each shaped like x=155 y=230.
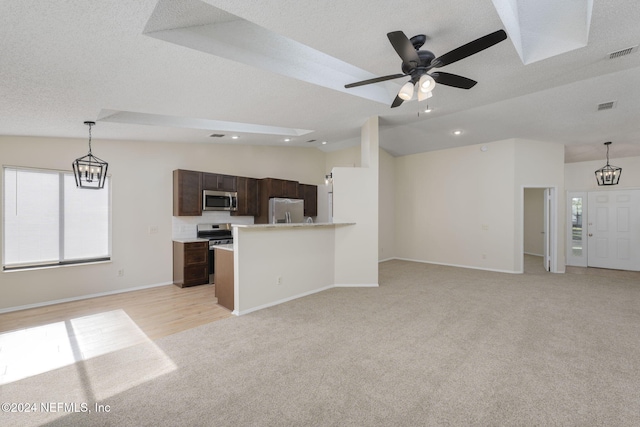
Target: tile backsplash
x=184 y=227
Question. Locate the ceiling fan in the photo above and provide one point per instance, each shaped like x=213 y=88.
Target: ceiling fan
x=416 y=63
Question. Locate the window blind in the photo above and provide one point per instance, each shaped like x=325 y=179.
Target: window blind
x=48 y=221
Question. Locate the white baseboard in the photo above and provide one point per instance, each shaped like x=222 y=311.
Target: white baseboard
x=271 y=304
x=459 y=266
x=529 y=253
x=101 y=294
x=357 y=285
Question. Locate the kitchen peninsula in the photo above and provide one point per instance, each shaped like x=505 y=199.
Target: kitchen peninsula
x=275 y=263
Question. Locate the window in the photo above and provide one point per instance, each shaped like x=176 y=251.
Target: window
x=47 y=221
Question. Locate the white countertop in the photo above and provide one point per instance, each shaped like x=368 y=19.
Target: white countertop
x=294 y=225
x=228 y=247
x=190 y=240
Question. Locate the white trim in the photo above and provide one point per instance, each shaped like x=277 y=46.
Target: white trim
x=459 y=266
x=271 y=304
x=101 y=294
x=529 y=253
x=358 y=285
x=386 y=259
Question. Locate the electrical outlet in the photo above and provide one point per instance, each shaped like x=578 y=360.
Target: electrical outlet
x=120 y=272
x=279 y=280
x=484 y=256
x=153 y=229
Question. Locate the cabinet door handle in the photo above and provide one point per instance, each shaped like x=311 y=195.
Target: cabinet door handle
x=590 y=234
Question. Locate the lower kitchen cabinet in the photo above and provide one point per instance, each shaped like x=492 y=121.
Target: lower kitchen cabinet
x=224 y=278
x=190 y=263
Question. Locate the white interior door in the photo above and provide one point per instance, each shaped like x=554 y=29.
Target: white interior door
x=614 y=229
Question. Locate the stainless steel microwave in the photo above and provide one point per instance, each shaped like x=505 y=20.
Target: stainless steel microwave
x=219 y=201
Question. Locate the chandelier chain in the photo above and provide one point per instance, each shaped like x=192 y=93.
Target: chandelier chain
x=90 y=124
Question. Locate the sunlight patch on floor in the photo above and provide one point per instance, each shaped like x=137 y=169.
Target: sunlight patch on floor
x=33 y=351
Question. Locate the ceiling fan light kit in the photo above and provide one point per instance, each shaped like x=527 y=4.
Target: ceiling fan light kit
x=608 y=175
x=427 y=83
x=424 y=95
x=416 y=64
x=406 y=93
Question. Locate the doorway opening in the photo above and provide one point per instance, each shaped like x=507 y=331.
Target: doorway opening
x=539 y=229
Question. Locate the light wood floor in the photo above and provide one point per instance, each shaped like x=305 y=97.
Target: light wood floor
x=42 y=339
x=158 y=312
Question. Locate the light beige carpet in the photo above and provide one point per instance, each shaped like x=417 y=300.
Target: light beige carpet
x=433 y=345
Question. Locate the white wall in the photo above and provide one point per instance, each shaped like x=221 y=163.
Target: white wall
x=347 y=158
x=539 y=164
x=303 y=257
x=355 y=199
x=456 y=206
x=464 y=207
x=580 y=176
x=142 y=196
x=351 y=157
x=386 y=207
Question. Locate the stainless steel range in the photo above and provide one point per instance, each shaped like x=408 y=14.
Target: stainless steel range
x=218 y=234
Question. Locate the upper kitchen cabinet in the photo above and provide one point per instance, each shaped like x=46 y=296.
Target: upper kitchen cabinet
x=247 y=197
x=187 y=193
x=219 y=182
x=310 y=195
x=273 y=187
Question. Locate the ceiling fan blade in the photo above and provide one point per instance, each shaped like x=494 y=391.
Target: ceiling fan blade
x=397 y=102
x=376 y=80
x=404 y=48
x=469 y=49
x=454 y=80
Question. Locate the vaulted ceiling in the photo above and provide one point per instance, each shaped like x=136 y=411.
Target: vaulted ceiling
x=267 y=71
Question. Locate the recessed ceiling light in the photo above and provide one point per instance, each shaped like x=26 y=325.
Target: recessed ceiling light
x=457 y=132
x=235 y=137
x=428 y=110
x=324 y=142
x=287 y=140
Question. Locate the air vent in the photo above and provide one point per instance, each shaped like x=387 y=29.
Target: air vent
x=311 y=140
x=216 y=135
x=607 y=105
x=623 y=52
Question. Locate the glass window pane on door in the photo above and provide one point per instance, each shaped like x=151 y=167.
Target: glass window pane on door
x=576 y=226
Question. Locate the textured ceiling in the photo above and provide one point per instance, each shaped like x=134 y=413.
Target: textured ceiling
x=62 y=63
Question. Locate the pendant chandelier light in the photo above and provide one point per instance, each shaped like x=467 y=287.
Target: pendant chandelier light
x=608 y=175
x=90 y=171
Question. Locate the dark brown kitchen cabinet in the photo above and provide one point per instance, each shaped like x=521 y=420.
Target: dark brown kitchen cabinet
x=187 y=193
x=219 y=182
x=247 y=196
x=273 y=187
x=279 y=188
x=310 y=195
x=190 y=263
